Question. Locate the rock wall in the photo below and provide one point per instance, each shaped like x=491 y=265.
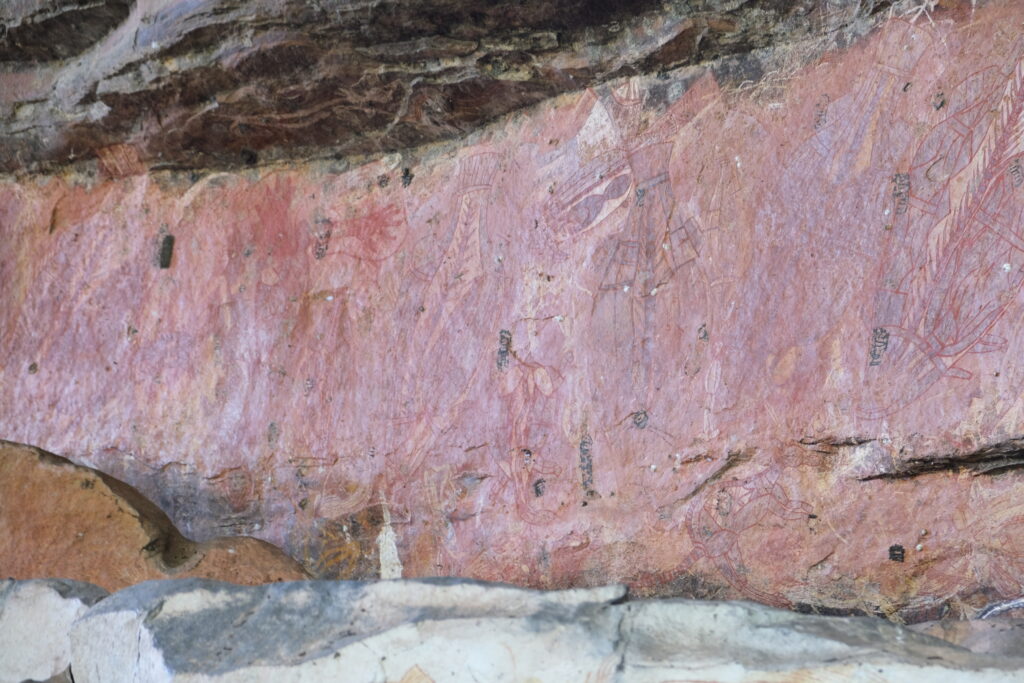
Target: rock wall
x=753 y=340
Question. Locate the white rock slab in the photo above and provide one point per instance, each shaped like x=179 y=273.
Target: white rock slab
x=197 y=630
x=35 y=623
x=428 y=631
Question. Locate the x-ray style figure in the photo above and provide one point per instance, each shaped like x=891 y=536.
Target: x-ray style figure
x=957 y=259
x=656 y=245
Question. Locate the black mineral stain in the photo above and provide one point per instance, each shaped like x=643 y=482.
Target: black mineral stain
x=504 y=349
x=587 y=464
x=896 y=553
x=323 y=241
x=166 y=251
x=249 y=157
x=407 y=177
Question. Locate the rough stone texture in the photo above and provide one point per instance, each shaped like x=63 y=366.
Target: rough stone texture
x=671 y=640
x=141 y=83
x=1000 y=636
x=756 y=342
x=35 y=626
x=61 y=520
x=441 y=630
x=201 y=630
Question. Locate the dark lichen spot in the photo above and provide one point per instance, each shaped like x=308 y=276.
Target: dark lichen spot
x=504 y=349
x=407 y=177
x=383 y=180
x=896 y=553
x=538 y=487
x=587 y=464
x=33 y=368
x=249 y=157
x=166 y=254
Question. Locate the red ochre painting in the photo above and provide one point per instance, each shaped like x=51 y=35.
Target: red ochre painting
x=757 y=343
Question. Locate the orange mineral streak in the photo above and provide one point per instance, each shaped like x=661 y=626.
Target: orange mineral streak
x=61 y=520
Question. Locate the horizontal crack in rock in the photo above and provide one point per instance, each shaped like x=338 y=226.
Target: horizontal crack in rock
x=992 y=459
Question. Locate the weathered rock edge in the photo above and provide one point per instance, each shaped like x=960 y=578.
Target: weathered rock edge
x=455 y=630
x=227 y=83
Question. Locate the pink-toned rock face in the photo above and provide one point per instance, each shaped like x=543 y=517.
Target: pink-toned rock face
x=758 y=344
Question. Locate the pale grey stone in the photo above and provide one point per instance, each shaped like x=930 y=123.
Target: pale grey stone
x=196 y=630
x=35 y=620
x=427 y=631
x=739 y=641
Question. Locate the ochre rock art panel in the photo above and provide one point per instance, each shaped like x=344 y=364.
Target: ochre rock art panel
x=757 y=344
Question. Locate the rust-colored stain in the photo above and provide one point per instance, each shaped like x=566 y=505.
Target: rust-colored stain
x=682 y=344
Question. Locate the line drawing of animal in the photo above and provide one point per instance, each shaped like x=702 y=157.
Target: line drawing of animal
x=959 y=261
x=718 y=518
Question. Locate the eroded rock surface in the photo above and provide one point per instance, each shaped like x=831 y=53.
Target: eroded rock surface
x=61 y=520
x=710 y=339
x=35 y=627
x=440 y=630
x=149 y=83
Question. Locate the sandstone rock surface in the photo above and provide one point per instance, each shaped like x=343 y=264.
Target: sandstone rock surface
x=714 y=339
x=35 y=626
x=439 y=630
x=61 y=520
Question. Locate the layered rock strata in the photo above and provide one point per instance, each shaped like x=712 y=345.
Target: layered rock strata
x=151 y=84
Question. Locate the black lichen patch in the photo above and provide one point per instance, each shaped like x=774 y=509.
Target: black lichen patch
x=587 y=464
x=897 y=553
x=166 y=253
